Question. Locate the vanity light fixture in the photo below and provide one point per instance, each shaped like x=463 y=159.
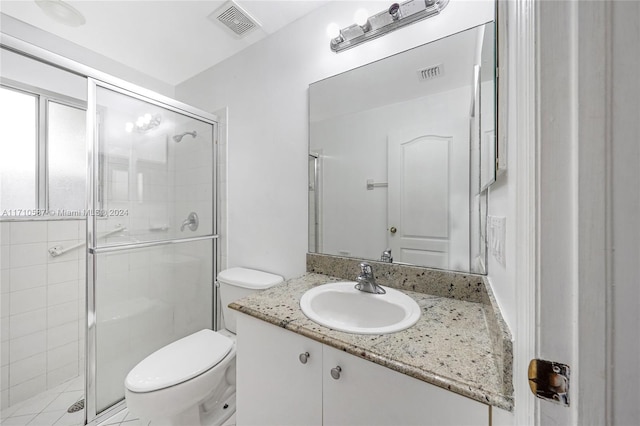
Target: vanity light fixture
x=396 y=16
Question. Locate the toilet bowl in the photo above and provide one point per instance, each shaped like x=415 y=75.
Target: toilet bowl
x=192 y=380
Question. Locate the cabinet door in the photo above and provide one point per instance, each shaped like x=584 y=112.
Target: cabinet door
x=273 y=386
x=370 y=394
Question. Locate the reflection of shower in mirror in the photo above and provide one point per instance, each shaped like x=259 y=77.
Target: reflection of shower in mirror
x=178 y=138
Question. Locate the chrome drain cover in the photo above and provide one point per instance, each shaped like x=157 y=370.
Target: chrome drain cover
x=76 y=407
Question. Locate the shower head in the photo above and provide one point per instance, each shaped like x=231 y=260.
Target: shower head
x=178 y=138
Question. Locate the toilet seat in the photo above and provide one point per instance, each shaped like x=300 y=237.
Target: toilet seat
x=178 y=362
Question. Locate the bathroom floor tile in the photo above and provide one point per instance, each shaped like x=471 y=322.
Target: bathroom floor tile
x=76 y=384
x=64 y=401
x=71 y=419
x=45 y=419
x=116 y=419
x=18 y=420
x=48 y=408
x=8 y=412
x=136 y=422
x=231 y=421
x=35 y=405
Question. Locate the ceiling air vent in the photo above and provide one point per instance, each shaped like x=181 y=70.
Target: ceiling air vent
x=431 y=72
x=235 y=19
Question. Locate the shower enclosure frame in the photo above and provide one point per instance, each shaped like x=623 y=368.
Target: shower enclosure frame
x=96 y=78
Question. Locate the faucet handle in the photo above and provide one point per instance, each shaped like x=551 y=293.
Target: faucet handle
x=366 y=269
x=386 y=256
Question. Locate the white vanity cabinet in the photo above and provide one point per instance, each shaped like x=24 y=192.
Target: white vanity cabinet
x=276 y=388
x=370 y=394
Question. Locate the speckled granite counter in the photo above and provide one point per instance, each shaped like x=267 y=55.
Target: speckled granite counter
x=452 y=346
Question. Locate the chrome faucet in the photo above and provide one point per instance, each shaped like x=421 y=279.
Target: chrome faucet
x=366 y=280
x=386 y=256
x=191 y=221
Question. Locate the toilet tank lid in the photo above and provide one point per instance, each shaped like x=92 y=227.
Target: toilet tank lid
x=249 y=278
x=179 y=361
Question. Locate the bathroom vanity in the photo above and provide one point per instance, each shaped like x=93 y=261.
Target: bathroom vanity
x=276 y=386
x=451 y=368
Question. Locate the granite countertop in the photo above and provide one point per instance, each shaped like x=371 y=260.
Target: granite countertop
x=450 y=346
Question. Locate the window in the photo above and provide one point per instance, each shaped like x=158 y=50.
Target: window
x=18 y=150
x=67 y=159
x=42 y=153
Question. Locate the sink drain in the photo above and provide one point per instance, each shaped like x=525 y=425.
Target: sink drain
x=76 y=407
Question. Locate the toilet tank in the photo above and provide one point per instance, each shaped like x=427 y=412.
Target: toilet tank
x=236 y=283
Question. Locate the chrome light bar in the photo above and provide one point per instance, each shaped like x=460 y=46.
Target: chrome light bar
x=398 y=15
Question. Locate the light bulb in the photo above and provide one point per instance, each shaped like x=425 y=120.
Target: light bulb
x=140 y=122
x=333 y=30
x=361 y=17
x=128 y=127
x=147 y=118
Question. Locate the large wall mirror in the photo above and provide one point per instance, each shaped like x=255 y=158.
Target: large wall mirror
x=401 y=153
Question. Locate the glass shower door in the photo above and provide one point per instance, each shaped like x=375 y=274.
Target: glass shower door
x=151 y=233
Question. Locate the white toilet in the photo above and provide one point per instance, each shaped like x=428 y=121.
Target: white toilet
x=193 y=381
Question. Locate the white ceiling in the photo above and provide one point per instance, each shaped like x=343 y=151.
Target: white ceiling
x=169 y=40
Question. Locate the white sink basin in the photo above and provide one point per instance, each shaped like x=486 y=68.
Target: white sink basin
x=341 y=307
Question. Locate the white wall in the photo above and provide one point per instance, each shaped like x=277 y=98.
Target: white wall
x=265 y=88
x=502 y=277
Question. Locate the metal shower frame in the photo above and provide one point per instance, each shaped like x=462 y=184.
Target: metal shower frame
x=97 y=78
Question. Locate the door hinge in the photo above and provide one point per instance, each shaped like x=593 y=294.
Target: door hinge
x=549 y=380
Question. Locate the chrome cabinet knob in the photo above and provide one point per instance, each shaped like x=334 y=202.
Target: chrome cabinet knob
x=335 y=372
x=393 y=230
x=304 y=357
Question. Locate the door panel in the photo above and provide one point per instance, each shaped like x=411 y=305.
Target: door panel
x=274 y=386
x=150 y=268
x=428 y=194
x=369 y=394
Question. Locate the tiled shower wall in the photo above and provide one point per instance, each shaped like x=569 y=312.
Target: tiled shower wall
x=42 y=312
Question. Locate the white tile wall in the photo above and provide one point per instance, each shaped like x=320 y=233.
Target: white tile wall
x=28 y=368
x=4 y=354
x=28 y=277
x=62 y=314
x=27 y=346
x=28 y=232
x=27 y=300
x=5 y=256
x=28 y=254
x=5 y=275
x=21 y=325
x=42 y=307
